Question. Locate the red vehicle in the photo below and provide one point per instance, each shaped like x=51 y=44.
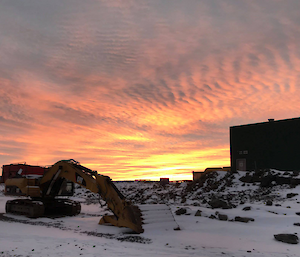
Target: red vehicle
x=21 y=170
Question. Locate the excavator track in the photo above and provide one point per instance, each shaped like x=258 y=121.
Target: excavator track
x=35 y=209
x=26 y=207
x=62 y=207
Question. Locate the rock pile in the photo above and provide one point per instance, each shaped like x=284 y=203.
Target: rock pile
x=221 y=189
x=269 y=178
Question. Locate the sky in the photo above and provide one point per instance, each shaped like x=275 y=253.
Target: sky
x=142 y=89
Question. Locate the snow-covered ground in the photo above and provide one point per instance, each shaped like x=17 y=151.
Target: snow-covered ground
x=198 y=235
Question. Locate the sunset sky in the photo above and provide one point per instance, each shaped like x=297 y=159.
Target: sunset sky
x=142 y=89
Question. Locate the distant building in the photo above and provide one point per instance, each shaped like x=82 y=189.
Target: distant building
x=21 y=170
x=272 y=144
x=164 y=181
x=213 y=169
x=197 y=174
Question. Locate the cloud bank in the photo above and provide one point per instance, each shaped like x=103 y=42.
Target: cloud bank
x=142 y=89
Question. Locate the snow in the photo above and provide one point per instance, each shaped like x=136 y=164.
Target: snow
x=199 y=235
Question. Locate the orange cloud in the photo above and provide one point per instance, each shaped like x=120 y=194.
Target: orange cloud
x=142 y=89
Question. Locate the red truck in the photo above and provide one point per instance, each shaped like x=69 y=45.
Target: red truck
x=21 y=170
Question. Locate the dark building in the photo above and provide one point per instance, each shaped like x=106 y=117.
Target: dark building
x=164 y=181
x=197 y=175
x=272 y=144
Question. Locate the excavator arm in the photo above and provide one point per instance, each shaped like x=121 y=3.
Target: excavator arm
x=125 y=214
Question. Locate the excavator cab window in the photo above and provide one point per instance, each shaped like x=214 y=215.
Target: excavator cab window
x=67 y=188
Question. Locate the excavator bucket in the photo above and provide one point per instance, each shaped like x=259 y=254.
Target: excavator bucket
x=130 y=217
x=144 y=217
x=158 y=217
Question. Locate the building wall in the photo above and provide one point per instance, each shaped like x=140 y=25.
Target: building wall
x=197 y=174
x=15 y=170
x=273 y=144
x=164 y=181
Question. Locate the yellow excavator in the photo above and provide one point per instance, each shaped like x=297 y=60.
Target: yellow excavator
x=44 y=195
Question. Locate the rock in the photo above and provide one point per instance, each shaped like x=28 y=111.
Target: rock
x=273 y=212
x=283 y=180
x=180 y=211
x=269 y=203
x=290 y=195
x=267 y=181
x=243 y=219
x=246 y=179
x=198 y=213
x=183 y=200
x=217 y=203
x=213 y=217
x=295 y=181
x=287 y=238
x=247 y=208
x=222 y=217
